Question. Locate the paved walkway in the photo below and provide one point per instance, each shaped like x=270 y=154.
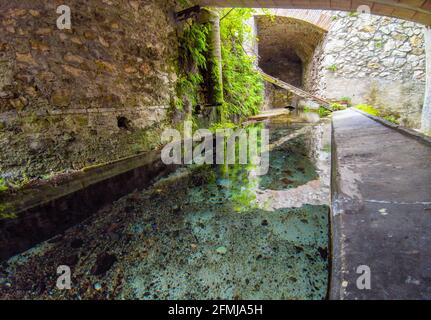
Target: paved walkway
x=381 y=210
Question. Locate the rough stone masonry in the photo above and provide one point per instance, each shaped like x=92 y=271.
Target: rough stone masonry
x=375 y=60
x=93 y=94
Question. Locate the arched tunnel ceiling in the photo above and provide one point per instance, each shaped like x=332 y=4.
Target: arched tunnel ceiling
x=285 y=45
x=414 y=10
x=276 y=34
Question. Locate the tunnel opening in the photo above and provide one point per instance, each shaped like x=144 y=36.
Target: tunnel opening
x=288 y=49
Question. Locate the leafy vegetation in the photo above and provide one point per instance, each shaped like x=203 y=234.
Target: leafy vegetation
x=225 y=125
x=378 y=44
x=392 y=118
x=346 y=100
x=395 y=119
x=14 y=184
x=242 y=84
x=368 y=109
x=332 y=67
x=193 y=49
x=337 y=107
x=322 y=112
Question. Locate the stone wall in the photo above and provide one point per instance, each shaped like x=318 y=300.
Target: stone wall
x=426 y=112
x=375 y=60
x=311 y=70
x=89 y=95
x=276 y=97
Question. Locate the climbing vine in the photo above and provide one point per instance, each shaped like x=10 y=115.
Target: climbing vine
x=242 y=84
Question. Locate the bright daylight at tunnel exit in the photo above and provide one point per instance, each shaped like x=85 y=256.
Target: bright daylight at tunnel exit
x=215 y=152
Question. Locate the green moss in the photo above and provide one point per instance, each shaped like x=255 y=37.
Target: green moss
x=222 y=125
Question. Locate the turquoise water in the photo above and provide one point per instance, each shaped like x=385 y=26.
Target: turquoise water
x=210 y=233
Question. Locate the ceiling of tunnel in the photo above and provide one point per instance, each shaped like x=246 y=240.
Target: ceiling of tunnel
x=414 y=10
x=285 y=45
x=282 y=37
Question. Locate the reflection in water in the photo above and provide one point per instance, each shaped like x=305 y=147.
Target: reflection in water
x=289 y=167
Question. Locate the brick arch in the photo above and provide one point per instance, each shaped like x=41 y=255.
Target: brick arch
x=413 y=10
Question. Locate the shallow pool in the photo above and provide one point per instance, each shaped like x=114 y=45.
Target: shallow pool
x=208 y=233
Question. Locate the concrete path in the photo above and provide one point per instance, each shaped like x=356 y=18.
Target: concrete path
x=381 y=210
